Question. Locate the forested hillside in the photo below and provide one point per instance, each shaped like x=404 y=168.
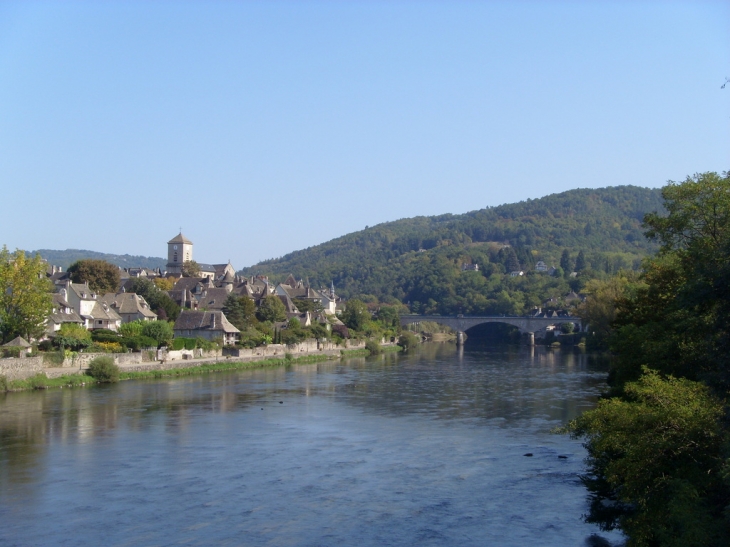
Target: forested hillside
x=420 y=260
x=69 y=256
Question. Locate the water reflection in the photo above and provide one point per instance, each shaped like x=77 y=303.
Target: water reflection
x=509 y=384
x=358 y=432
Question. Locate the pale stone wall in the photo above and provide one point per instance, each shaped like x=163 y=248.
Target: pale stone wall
x=279 y=350
x=20 y=368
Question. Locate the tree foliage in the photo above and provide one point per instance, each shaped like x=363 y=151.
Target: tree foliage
x=419 y=260
x=271 y=309
x=356 y=315
x=190 y=268
x=160 y=302
x=598 y=311
x=656 y=463
x=160 y=331
x=25 y=298
x=240 y=311
x=101 y=276
x=659 y=449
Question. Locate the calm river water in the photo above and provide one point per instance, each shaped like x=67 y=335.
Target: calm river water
x=398 y=450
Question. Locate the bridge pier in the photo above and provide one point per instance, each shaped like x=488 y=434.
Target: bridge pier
x=530 y=338
x=460 y=338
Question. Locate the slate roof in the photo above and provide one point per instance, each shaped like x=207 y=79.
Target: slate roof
x=101 y=310
x=190 y=283
x=18 y=342
x=60 y=318
x=179 y=238
x=212 y=299
x=82 y=290
x=207 y=267
x=58 y=301
x=204 y=320
x=129 y=303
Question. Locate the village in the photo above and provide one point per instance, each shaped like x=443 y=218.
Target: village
x=192 y=311
x=201 y=297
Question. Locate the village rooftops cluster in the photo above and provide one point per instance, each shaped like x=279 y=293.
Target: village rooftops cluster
x=201 y=298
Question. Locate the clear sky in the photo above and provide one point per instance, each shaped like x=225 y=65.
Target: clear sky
x=265 y=127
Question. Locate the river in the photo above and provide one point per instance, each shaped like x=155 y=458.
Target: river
x=420 y=449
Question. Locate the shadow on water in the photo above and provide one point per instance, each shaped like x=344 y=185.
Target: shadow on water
x=492 y=334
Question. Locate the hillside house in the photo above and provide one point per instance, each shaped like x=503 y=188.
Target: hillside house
x=210 y=325
x=85 y=302
x=129 y=306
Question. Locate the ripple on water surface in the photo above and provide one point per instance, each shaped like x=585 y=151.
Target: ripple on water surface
x=426 y=449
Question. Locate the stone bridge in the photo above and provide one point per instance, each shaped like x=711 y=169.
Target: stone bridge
x=462 y=324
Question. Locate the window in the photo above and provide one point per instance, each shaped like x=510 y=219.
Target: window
x=174 y=258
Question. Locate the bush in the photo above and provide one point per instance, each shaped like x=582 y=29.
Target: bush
x=103 y=370
x=408 y=341
x=105 y=337
x=137 y=343
x=3 y=383
x=107 y=347
x=373 y=347
x=45 y=345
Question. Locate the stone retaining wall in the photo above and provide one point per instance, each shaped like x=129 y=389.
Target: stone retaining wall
x=20 y=368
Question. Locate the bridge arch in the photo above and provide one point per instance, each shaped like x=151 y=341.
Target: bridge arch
x=462 y=324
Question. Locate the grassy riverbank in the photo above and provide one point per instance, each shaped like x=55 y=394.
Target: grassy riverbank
x=40 y=381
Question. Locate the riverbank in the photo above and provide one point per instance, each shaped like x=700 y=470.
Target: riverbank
x=59 y=377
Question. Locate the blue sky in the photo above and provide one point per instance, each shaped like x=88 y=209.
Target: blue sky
x=265 y=127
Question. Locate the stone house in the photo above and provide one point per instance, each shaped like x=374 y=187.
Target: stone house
x=210 y=325
x=130 y=306
x=61 y=313
x=85 y=302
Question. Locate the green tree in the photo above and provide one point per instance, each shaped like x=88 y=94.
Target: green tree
x=160 y=331
x=271 y=309
x=101 y=276
x=679 y=322
x=656 y=462
x=566 y=263
x=190 y=268
x=240 y=311
x=356 y=315
x=580 y=262
x=598 y=311
x=659 y=450
x=511 y=263
x=160 y=302
x=25 y=297
x=389 y=316
x=132 y=329
x=72 y=336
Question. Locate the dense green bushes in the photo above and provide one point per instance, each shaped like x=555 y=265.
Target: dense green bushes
x=103 y=370
x=408 y=340
x=373 y=347
x=659 y=449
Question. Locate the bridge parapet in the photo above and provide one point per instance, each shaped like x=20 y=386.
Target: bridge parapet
x=462 y=324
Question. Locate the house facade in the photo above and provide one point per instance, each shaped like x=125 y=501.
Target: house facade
x=210 y=325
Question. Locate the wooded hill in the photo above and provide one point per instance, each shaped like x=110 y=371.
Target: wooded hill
x=420 y=260
x=69 y=256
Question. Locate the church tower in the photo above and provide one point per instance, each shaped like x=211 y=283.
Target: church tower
x=179 y=250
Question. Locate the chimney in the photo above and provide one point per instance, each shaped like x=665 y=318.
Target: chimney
x=212 y=320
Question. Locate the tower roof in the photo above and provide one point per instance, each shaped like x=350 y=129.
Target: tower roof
x=179 y=238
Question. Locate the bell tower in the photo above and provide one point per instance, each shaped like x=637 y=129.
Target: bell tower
x=179 y=250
